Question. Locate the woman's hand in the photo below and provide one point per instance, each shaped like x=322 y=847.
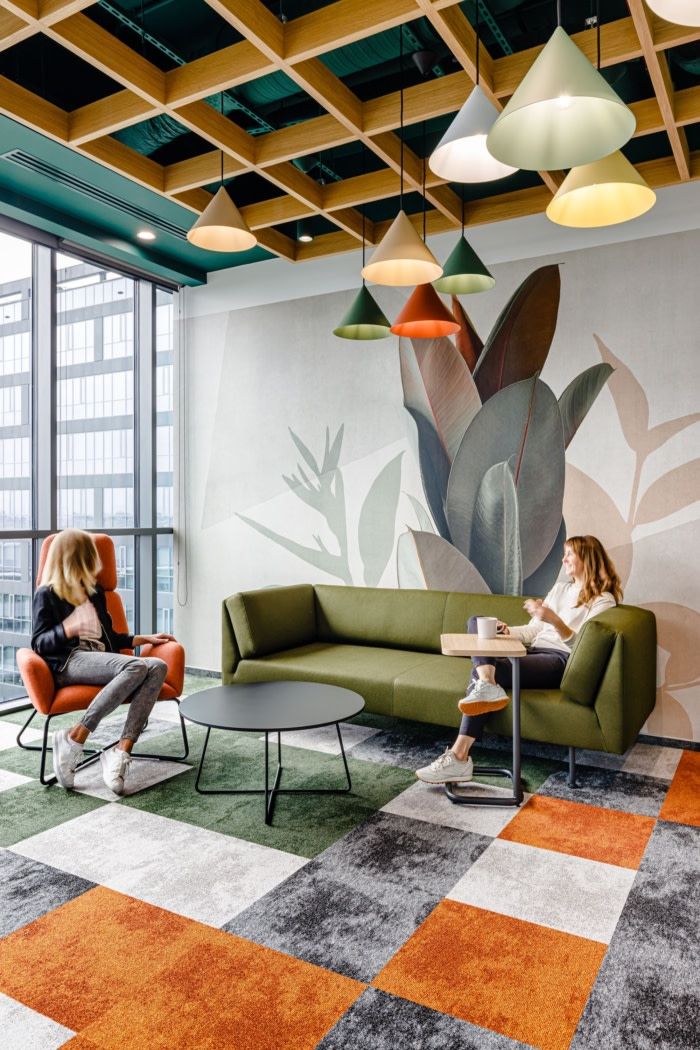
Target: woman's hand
x=539 y=611
x=153 y=639
x=502 y=628
x=83 y=622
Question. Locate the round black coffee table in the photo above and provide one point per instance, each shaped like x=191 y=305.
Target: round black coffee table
x=272 y=707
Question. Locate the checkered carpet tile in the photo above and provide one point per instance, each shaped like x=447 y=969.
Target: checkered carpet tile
x=385 y=918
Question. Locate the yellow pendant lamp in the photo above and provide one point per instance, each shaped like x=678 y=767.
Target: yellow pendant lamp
x=603 y=193
x=563 y=113
x=402 y=258
x=221 y=227
x=679 y=12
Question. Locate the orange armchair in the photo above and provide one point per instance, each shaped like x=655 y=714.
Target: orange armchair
x=49 y=701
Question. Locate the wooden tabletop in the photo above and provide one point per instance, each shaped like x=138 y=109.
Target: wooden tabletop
x=472 y=645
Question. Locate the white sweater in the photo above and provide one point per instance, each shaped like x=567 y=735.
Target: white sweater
x=562 y=599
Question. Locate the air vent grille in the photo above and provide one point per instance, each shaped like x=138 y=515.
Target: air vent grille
x=70 y=182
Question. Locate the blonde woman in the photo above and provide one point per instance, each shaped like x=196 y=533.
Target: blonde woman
x=592 y=586
x=73 y=632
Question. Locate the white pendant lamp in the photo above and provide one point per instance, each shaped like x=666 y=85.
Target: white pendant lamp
x=562 y=114
x=679 y=12
x=221 y=227
x=402 y=258
x=603 y=193
x=461 y=154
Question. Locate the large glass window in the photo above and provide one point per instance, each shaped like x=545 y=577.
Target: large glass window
x=78 y=463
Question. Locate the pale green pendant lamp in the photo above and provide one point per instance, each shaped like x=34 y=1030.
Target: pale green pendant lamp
x=604 y=193
x=464 y=273
x=562 y=114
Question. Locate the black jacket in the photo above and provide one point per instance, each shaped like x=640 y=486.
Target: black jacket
x=48 y=636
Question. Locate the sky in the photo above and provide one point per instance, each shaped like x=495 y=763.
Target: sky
x=15 y=258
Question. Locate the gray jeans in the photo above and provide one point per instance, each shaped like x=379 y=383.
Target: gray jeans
x=135 y=678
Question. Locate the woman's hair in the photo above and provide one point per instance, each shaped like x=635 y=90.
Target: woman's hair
x=599 y=573
x=72 y=565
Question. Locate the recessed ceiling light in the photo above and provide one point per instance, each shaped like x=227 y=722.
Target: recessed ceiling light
x=146 y=235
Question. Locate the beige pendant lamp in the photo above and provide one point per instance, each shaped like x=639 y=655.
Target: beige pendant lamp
x=221 y=227
x=679 y=12
x=604 y=193
x=461 y=154
x=402 y=258
x=562 y=114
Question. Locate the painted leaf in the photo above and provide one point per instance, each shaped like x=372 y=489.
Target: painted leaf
x=543 y=578
x=517 y=347
x=589 y=509
x=670 y=493
x=321 y=558
x=578 y=397
x=377 y=524
x=426 y=561
x=521 y=421
x=495 y=536
x=678 y=630
x=306 y=453
x=630 y=400
x=467 y=339
x=662 y=432
x=422 y=514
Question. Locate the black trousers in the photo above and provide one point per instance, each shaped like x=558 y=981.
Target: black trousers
x=539 y=669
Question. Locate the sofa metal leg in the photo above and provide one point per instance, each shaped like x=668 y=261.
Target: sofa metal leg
x=572 y=768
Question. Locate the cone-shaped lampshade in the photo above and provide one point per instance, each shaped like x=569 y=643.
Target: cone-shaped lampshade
x=402 y=258
x=221 y=227
x=680 y=12
x=563 y=113
x=425 y=316
x=464 y=272
x=461 y=154
x=364 y=319
x=601 y=194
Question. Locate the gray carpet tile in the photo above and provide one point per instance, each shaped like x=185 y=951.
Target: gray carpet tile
x=378 y=1021
x=29 y=889
x=610 y=789
x=409 y=744
x=386 y=876
x=109 y=730
x=647 y=994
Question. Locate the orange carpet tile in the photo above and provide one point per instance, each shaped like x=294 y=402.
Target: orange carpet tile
x=591 y=832
x=525 y=981
x=682 y=803
x=106 y=964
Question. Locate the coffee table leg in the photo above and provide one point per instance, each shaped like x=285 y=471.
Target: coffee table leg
x=342 y=751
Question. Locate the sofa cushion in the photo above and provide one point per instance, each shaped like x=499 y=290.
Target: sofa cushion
x=459 y=607
x=586 y=665
x=400 y=619
x=368 y=670
x=272 y=619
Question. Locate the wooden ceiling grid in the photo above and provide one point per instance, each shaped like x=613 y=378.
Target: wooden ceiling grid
x=294 y=49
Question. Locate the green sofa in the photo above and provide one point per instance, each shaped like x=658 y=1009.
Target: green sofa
x=385 y=645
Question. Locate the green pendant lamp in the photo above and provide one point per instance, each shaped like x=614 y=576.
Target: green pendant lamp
x=364 y=319
x=562 y=114
x=464 y=273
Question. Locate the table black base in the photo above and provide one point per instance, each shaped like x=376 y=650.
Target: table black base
x=484 y=800
x=271 y=793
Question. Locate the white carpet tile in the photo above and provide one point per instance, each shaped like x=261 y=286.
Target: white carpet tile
x=425 y=802
x=325 y=738
x=25 y=1029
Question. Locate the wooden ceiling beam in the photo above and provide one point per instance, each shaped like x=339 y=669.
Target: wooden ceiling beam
x=115 y=155
x=660 y=76
x=200 y=171
x=19 y=104
x=13 y=30
x=299 y=140
x=108 y=115
x=227 y=68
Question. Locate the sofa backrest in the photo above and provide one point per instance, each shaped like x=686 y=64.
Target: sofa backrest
x=396 y=619
x=460 y=606
x=272 y=619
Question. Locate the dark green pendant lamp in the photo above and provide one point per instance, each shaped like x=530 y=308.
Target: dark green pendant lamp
x=464 y=272
x=364 y=319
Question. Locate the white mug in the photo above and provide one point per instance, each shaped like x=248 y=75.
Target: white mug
x=486 y=626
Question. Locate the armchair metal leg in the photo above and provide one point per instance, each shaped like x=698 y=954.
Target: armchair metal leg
x=572 y=768
x=170 y=758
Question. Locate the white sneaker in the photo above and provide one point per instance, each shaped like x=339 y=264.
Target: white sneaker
x=66 y=756
x=483 y=698
x=115 y=768
x=446 y=769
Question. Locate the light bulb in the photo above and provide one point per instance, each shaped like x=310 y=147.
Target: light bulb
x=564 y=101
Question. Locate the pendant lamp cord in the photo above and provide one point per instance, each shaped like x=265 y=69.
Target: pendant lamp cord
x=597 y=30
x=558 y=12
x=364 y=208
x=222 y=152
x=401 y=114
x=423 y=180
x=478 y=34
x=461 y=187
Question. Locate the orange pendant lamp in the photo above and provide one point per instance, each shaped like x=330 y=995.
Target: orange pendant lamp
x=424 y=316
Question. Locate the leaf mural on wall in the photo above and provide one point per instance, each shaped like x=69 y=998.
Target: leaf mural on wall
x=467 y=338
x=378 y=521
x=421 y=513
x=426 y=561
x=678 y=630
x=670 y=493
x=518 y=345
x=496 y=531
x=589 y=509
x=578 y=397
x=543 y=578
x=320 y=556
x=521 y=424
x=440 y=395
